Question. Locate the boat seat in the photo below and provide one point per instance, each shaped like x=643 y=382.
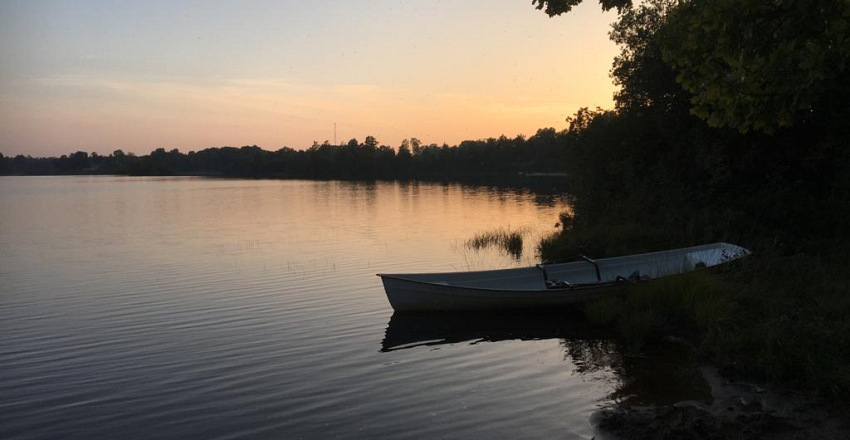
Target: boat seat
x=558 y=284
x=634 y=276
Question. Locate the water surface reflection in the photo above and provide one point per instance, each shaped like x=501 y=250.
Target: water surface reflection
x=141 y=308
x=657 y=375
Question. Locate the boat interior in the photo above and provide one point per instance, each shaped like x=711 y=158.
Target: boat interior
x=588 y=271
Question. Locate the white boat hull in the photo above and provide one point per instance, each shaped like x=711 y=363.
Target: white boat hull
x=412 y=296
x=526 y=288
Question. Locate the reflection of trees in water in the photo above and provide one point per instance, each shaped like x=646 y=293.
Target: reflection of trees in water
x=662 y=374
x=592 y=355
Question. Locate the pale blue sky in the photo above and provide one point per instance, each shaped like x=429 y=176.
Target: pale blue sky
x=100 y=75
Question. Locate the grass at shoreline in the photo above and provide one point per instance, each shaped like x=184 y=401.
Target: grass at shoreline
x=510 y=241
x=788 y=321
x=776 y=318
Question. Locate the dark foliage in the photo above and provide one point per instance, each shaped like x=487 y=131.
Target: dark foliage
x=652 y=168
x=686 y=158
x=558 y=7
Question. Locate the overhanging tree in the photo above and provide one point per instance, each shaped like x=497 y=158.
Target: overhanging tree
x=748 y=64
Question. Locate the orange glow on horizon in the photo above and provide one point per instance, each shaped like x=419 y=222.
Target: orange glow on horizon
x=453 y=82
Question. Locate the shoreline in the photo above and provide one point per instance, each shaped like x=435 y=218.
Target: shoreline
x=738 y=410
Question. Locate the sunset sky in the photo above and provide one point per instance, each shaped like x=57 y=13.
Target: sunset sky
x=101 y=75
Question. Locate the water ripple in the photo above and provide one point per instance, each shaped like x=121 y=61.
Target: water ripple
x=229 y=309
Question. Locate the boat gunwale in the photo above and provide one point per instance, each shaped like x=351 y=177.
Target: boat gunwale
x=717 y=246
x=574 y=287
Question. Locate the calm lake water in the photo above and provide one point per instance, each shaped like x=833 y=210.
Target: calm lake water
x=223 y=309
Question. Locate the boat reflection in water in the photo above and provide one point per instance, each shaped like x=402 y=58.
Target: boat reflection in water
x=657 y=374
x=408 y=330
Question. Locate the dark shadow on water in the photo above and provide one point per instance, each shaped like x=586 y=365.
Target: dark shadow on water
x=408 y=330
x=662 y=374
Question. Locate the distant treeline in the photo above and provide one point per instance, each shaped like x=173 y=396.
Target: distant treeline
x=494 y=157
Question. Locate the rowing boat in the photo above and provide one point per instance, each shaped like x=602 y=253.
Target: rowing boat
x=549 y=285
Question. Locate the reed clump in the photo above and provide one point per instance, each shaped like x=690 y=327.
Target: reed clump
x=508 y=240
